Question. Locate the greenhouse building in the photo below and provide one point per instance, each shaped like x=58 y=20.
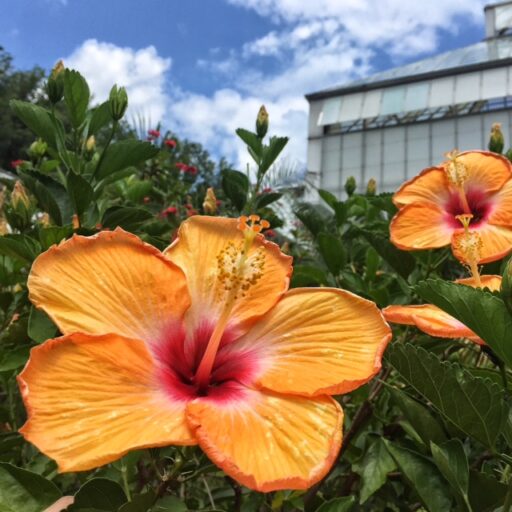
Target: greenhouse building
x=391 y=125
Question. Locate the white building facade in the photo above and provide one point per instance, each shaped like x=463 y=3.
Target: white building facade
x=393 y=124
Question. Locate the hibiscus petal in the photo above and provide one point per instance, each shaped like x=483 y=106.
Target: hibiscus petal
x=317 y=341
x=110 y=282
x=91 y=399
x=487 y=171
x=269 y=442
x=486 y=281
x=429 y=319
x=420 y=226
x=430 y=186
x=200 y=240
x=496 y=243
x=501 y=214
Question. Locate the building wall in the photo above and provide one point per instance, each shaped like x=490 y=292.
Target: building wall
x=393 y=155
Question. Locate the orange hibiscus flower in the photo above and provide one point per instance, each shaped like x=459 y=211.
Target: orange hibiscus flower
x=200 y=345
x=476 y=183
x=434 y=321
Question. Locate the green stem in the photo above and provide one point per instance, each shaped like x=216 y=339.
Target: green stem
x=508 y=498
x=126 y=485
x=109 y=140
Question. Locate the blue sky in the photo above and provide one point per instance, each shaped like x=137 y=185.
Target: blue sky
x=202 y=67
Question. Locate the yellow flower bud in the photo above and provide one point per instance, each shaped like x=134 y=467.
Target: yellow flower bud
x=90 y=144
x=371 y=187
x=496 y=142
x=20 y=197
x=262 y=122
x=210 y=202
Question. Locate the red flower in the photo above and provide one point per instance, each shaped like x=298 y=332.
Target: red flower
x=188 y=206
x=218 y=202
x=146 y=199
x=270 y=233
x=191 y=170
x=182 y=167
x=191 y=212
x=16 y=163
x=267 y=190
x=154 y=133
x=171 y=210
x=170 y=143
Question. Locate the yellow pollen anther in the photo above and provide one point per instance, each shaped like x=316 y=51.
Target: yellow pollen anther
x=456 y=171
x=469 y=245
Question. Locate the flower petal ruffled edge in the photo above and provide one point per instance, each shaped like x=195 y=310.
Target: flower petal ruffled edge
x=92 y=399
x=429 y=186
x=204 y=417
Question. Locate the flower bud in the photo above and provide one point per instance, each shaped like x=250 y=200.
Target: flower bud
x=37 y=149
x=20 y=197
x=262 y=122
x=90 y=144
x=118 y=102
x=210 y=202
x=55 y=84
x=371 y=187
x=350 y=185
x=496 y=141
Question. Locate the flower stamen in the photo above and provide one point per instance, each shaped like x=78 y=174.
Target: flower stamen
x=237 y=272
x=457 y=174
x=469 y=245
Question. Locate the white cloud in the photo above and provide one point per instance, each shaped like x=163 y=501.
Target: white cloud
x=142 y=72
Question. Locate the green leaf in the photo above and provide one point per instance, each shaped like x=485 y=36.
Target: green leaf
x=305 y=275
x=425 y=425
x=373 y=468
x=168 y=504
x=21 y=490
x=480 y=310
x=401 y=262
x=268 y=198
x=76 y=96
x=126 y=217
x=51 y=196
x=311 y=217
x=80 y=192
x=338 y=505
x=138 y=189
x=451 y=460
x=271 y=152
x=139 y=503
x=423 y=476
x=485 y=492
x=53 y=235
x=100 y=494
x=36 y=118
x=13 y=359
x=20 y=247
x=236 y=186
x=332 y=251
x=40 y=326
x=253 y=141
x=124 y=154
x=329 y=198
x=99 y=118
x=475 y=406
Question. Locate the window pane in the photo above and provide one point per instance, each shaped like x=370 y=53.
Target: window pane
x=393 y=100
x=330 y=112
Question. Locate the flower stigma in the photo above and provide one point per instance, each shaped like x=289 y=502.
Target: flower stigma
x=237 y=272
x=457 y=174
x=470 y=246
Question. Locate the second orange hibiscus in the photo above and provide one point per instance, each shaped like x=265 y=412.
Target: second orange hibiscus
x=476 y=183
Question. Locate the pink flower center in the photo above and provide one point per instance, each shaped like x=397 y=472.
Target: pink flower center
x=179 y=358
x=480 y=204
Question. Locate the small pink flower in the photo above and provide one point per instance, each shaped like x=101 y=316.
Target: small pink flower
x=191 y=170
x=154 y=133
x=171 y=210
x=182 y=167
x=170 y=143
